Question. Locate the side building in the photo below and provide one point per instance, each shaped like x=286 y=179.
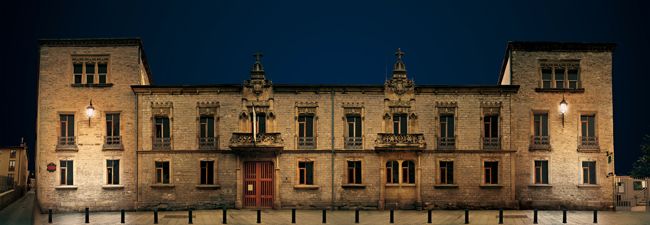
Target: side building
x=108 y=139
x=14 y=168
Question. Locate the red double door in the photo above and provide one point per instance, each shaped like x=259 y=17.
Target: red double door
x=258 y=184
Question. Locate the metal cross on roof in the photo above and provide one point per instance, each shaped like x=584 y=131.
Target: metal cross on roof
x=258 y=56
x=399 y=53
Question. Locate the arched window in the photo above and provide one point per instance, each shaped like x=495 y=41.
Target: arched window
x=392 y=172
x=408 y=172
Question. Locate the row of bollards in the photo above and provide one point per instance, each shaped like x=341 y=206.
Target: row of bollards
x=324 y=220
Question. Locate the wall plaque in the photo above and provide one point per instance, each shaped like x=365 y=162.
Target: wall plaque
x=51 y=167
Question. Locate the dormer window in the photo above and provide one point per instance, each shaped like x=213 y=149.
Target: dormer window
x=560 y=75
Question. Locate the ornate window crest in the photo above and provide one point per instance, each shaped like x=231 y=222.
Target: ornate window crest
x=90 y=58
x=161 y=108
x=400 y=86
x=207 y=108
x=491 y=107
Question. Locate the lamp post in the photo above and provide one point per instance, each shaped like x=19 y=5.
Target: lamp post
x=90 y=111
x=563 y=108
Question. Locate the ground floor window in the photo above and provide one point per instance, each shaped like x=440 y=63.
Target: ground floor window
x=113 y=172
x=392 y=172
x=541 y=172
x=446 y=172
x=491 y=169
x=306 y=172
x=162 y=172
x=408 y=172
x=589 y=172
x=354 y=172
x=207 y=172
x=67 y=175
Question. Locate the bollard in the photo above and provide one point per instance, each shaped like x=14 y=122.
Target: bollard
x=324 y=215
x=500 y=216
x=49 y=216
x=563 y=215
x=155 y=216
x=122 y=216
x=224 y=219
x=259 y=216
x=595 y=216
x=466 y=216
x=189 y=220
x=391 y=216
x=87 y=216
x=356 y=215
x=293 y=215
x=535 y=216
x=429 y=216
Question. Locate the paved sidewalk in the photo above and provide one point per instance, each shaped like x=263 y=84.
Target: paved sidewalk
x=20 y=212
x=347 y=217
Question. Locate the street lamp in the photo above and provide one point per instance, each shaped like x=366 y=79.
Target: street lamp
x=90 y=111
x=563 y=108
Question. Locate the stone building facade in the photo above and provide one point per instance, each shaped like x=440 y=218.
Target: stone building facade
x=109 y=139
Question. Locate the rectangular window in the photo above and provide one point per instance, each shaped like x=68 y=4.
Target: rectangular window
x=447 y=125
x=491 y=172
x=400 y=124
x=66 y=135
x=306 y=172
x=112 y=128
x=12 y=153
x=306 y=130
x=162 y=172
x=77 y=72
x=540 y=126
x=113 y=172
x=207 y=138
x=559 y=77
x=408 y=172
x=90 y=73
x=589 y=172
x=588 y=125
x=101 y=73
x=161 y=133
x=573 y=78
x=491 y=138
x=541 y=172
x=260 y=123
x=354 y=132
x=392 y=172
x=12 y=165
x=547 y=75
x=446 y=172
x=66 y=172
x=354 y=172
x=563 y=75
x=207 y=172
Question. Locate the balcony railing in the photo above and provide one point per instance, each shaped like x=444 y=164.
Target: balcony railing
x=12 y=168
x=306 y=142
x=113 y=142
x=446 y=143
x=207 y=143
x=491 y=143
x=163 y=143
x=353 y=142
x=588 y=143
x=262 y=140
x=540 y=142
x=67 y=142
x=400 y=141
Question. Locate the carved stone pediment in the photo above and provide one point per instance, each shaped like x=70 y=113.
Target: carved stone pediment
x=207 y=108
x=491 y=104
x=399 y=86
x=161 y=108
x=352 y=110
x=446 y=104
x=306 y=104
x=307 y=110
x=257 y=86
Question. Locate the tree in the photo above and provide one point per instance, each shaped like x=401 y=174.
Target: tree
x=641 y=168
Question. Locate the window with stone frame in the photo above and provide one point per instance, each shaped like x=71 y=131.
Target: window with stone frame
x=12 y=153
x=446 y=172
x=113 y=129
x=446 y=132
x=90 y=69
x=400 y=124
x=491 y=131
x=541 y=172
x=12 y=165
x=354 y=131
x=207 y=172
x=588 y=137
x=162 y=133
x=354 y=172
x=540 y=138
x=66 y=172
x=306 y=131
x=491 y=172
x=206 y=132
x=392 y=172
x=66 y=127
x=560 y=75
x=408 y=172
x=306 y=172
x=113 y=171
x=589 y=172
x=162 y=172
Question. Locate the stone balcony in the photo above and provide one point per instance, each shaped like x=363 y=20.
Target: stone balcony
x=540 y=143
x=390 y=141
x=588 y=144
x=244 y=141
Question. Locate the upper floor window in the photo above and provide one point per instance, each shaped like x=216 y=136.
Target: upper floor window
x=306 y=172
x=446 y=172
x=259 y=123
x=561 y=75
x=354 y=172
x=113 y=129
x=162 y=138
x=491 y=131
x=491 y=172
x=113 y=172
x=447 y=139
x=540 y=138
x=66 y=128
x=306 y=131
x=90 y=69
x=12 y=153
x=588 y=137
x=400 y=124
x=67 y=174
x=12 y=165
x=353 y=138
x=207 y=138
x=207 y=172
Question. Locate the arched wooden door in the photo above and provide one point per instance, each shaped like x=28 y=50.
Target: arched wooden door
x=258 y=184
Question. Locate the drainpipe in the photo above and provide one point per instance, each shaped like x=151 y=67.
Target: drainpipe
x=333 y=152
x=137 y=191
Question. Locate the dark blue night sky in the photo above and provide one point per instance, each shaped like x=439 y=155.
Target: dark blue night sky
x=329 y=42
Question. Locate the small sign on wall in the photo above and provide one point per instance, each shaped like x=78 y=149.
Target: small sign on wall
x=51 y=167
x=250 y=187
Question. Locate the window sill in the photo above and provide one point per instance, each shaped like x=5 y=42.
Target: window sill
x=66 y=187
x=540 y=186
x=92 y=85
x=208 y=186
x=491 y=186
x=119 y=147
x=588 y=186
x=163 y=186
x=445 y=186
x=540 y=149
x=306 y=187
x=589 y=150
x=67 y=148
x=353 y=186
x=112 y=186
x=560 y=90
x=400 y=185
